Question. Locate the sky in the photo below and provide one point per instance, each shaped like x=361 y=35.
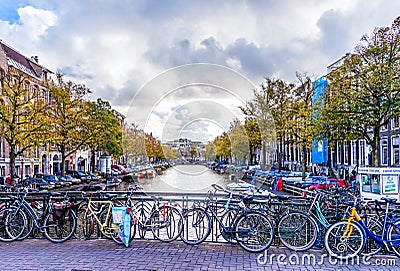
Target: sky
x=180 y=68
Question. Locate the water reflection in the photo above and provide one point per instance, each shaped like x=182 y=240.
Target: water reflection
x=181 y=178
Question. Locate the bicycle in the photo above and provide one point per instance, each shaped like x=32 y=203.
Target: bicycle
x=298 y=230
x=252 y=230
x=56 y=220
x=12 y=228
x=346 y=239
x=163 y=220
x=99 y=213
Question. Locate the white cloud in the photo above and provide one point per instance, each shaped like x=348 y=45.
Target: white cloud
x=115 y=47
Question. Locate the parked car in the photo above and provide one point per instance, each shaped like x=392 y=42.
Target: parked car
x=79 y=175
x=325 y=183
x=51 y=179
x=37 y=183
x=72 y=179
x=292 y=178
x=64 y=181
x=307 y=182
x=5 y=180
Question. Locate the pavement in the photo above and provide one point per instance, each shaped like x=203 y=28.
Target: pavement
x=101 y=254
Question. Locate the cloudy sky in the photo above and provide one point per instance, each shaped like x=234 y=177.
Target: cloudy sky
x=132 y=52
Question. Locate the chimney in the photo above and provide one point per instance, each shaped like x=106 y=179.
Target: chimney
x=35 y=58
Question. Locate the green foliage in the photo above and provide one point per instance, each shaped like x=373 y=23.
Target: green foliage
x=211 y=151
x=133 y=143
x=23 y=120
x=223 y=146
x=104 y=128
x=70 y=125
x=364 y=91
x=169 y=153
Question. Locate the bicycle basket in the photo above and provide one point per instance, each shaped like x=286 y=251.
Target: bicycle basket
x=60 y=211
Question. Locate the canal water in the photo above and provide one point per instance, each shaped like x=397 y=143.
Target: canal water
x=182 y=178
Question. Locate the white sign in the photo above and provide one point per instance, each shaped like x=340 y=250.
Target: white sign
x=390 y=184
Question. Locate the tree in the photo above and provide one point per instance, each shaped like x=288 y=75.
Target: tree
x=104 y=128
x=193 y=151
x=169 y=153
x=302 y=125
x=211 y=151
x=223 y=146
x=270 y=106
x=239 y=141
x=364 y=93
x=254 y=135
x=133 y=143
x=71 y=128
x=23 y=122
x=154 y=148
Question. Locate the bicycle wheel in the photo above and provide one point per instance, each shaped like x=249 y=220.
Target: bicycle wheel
x=59 y=230
x=254 y=232
x=374 y=225
x=80 y=217
x=88 y=224
x=12 y=224
x=393 y=235
x=297 y=231
x=197 y=226
x=166 y=223
x=344 y=241
x=227 y=220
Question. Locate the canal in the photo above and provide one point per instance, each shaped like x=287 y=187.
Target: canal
x=181 y=178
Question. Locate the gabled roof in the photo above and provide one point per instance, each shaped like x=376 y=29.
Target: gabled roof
x=21 y=62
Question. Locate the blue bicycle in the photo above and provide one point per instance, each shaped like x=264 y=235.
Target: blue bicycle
x=346 y=239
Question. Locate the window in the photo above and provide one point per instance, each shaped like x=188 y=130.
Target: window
x=346 y=152
x=340 y=152
x=371 y=183
x=362 y=152
x=384 y=127
x=396 y=150
x=384 y=151
x=354 y=152
x=396 y=123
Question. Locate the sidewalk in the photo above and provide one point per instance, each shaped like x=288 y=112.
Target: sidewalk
x=78 y=255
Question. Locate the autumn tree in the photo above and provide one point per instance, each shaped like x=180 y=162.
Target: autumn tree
x=193 y=151
x=301 y=125
x=169 y=153
x=211 y=151
x=239 y=141
x=23 y=120
x=105 y=129
x=154 y=148
x=253 y=133
x=364 y=90
x=71 y=127
x=270 y=106
x=223 y=146
x=133 y=143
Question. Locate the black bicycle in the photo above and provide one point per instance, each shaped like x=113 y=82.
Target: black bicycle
x=252 y=230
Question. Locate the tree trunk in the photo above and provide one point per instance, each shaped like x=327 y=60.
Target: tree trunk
x=303 y=160
x=280 y=152
x=263 y=155
x=375 y=147
x=62 y=166
x=12 y=164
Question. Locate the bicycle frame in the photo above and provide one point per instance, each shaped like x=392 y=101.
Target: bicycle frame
x=379 y=240
x=94 y=213
x=24 y=205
